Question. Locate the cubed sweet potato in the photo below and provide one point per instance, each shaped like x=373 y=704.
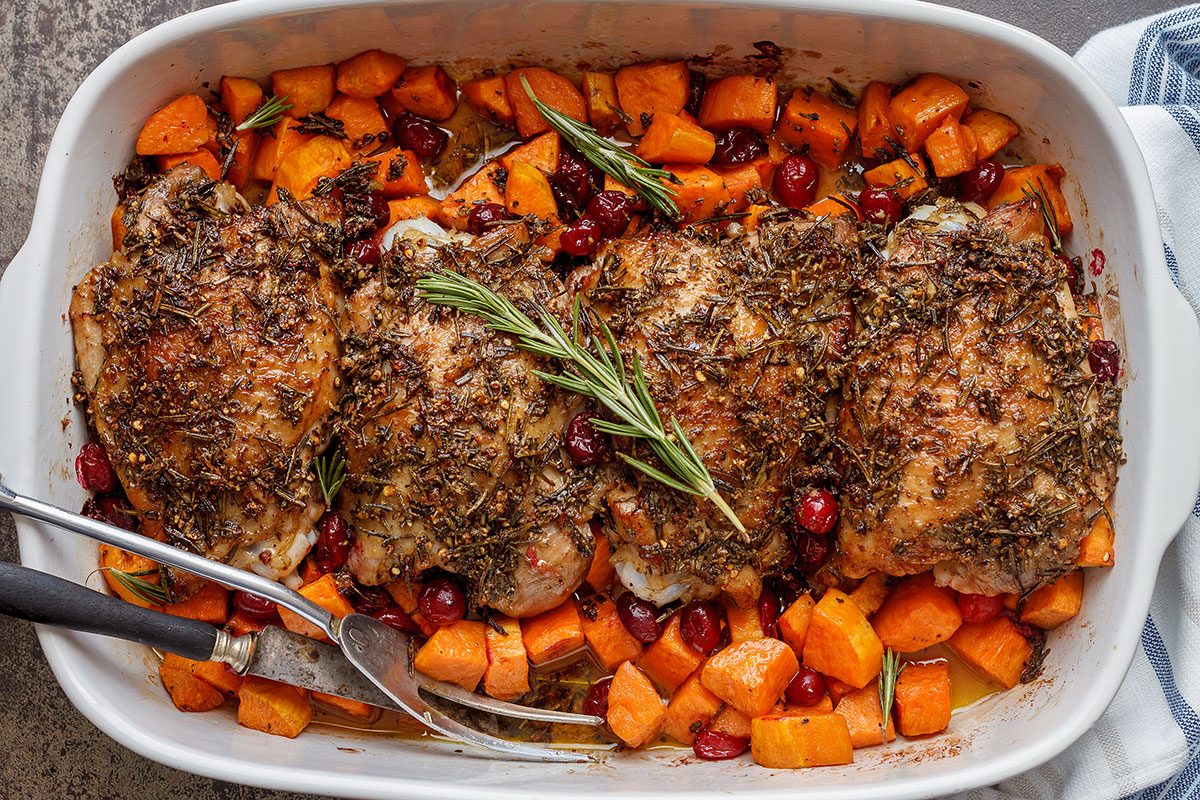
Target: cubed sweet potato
x=283 y=138
x=876 y=133
x=553 y=634
x=996 y=650
x=527 y=191
x=400 y=173
x=427 y=92
x=992 y=131
x=362 y=121
x=140 y=567
x=600 y=572
x=791 y=741
x=744 y=623
x=541 y=152
x=1096 y=548
x=951 y=148
x=209 y=604
x=923 y=698
x=700 y=193
x=241 y=168
x=240 y=624
x=611 y=643
x=870 y=592
x=324 y=592
x=740 y=101
x=369 y=74
x=188 y=692
x=671 y=137
x=275 y=708
x=307 y=89
x=732 y=722
x=1046 y=178
x=739 y=183
x=488 y=97
x=479 y=188
x=240 y=97
x=456 y=653
x=822 y=706
x=916 y=615
x=841 y=642
x=919 y=108
x=669 y=661
x=652 y=88
x=793 y=623
x=548 y=87
x=201 y=158
x=691 y=707
x=355 y=709
x=181 y=126
x=751 y=675
x=899 y=175
x=600 y=95
x=864 y=717
x=412 y=208
x=838 y=689
x=298 y=173
x=635 y=711
x=833 y=206
x=815 y=123
x=507 y=673
x=1052 y=604
x=217 y=675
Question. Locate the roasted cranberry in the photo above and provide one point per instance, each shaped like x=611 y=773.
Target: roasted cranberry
x=640 y=617
x=332 y=549
x=442 y=601
x=881 y=206
x=768 y=609
x=1104 y=357
x=700 y=626
x=369 y=599
x=612 y=210
x=738 y=146
x=421 y=136
x=485 y=215
x=1073 y=273
x=585 y=445
x=254 y=606
x=376 y=207
x=695 y=96
x=1097 y=262
x=1033 y=634
x=364 y=251
x=811 y=551
x=978 y=184
x=572 y=181
x=817 y=512
x=581 y=237
x=396 y=618
x=596 y=701
x=93 y=469
x=718 y=745
x=111 y=509
x=979 y=607
x=807 y=688
x=796 y=181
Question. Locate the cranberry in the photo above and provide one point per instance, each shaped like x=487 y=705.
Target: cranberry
x=612 y=210
x=817 y=512
x=695 y=95
x=768 y=609
x=1104 y=357
x=881 y=206
x=718 y=745
x=376 y=207
x=811 y=551
x=979 y=607
x=396 y=618
x=581 y=237
x=640 y=617
x=796 y=181
x=585 y=445
x=442 y=601
x=93 y=469
x=738 y=146
x=700 y=626
x=572 y=181
x=1097 y=262
x=978 y=184
x=1034 y=635
x=111 y=509
x=421 y=136
x=365 y=251
x=596 y=701
x=254 y=606
x=484 y=216
x=807 y=688
x=333 y=543
x=1073 y=273
x=370 y=599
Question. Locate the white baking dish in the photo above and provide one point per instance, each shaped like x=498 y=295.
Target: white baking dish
x=1066 y=118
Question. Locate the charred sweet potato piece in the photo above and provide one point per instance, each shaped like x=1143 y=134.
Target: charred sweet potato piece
x=550 y=88
x=553 y=633
x=752 y=675
x=427 y=92
x=992 y=130
x=600 y=95
x=400 y=173
x=672 y=137
x=916 y=615
x=606 y=635
x=188 y=692
x=369 y=74
x=691 y=707
x=923 y=698
x=307 y=89
x=791 y=741
x=841 y=642
x=240 y=97
x=951 y=148
x=740 y=101
x=324 y=592
x=140 y=567
x=994 y=649
x=635 y=711
x=900 y=175
x=275 y=708
x=456 y=653
x=876 y=133
x=507 y=673
x=864 y=717
x=1054 y=603
x=815 y=123
x=669 y=661
x=181 y=126
x=919 y=108
x=653 y=88
x=488 y=97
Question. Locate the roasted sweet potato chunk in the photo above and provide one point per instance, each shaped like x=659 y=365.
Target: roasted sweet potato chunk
x=841 y=642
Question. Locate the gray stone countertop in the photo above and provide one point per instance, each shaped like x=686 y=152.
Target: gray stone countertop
x=48 y=751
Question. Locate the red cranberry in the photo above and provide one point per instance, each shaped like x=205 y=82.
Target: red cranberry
x=739 y=146
x=612 y=210
x=811 y=551
x=421 y=136
x=978 y=184
x=718 y=746
x=365 y=251
x=110 y=509
x=1097 y=262
x=376 y=207
x=596 y=701
x=640 y=617
x=585 y=445
x=768 y=609
x=332 y=549
x=881 y=206
x=442 y=601
x=1073 y=273
x=93 y=469
x=817 y=512
x=979 y=607
x=796 y=181
x=1033 y=634
x=395 y=617
x=1104 y=357
x=807 y=688
x=572 y=182
x=369 y=599
x=700 y=626
x=695 y=96
x=484 y=216
x=254 y=606
x=581 y=238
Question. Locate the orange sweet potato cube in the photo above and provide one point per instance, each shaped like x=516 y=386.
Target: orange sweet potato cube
x=456 y=653
x=994 y=649
x=991 y=129
x=731 y=721
x=611 y=643
x=550 y=88
x=793 y=623
x=916 y=615
x=488 y=97
x=900 y=175
x=744 y=623
x=822 y=706
x=700 y=193
x=792 y=741
x=864 y=717
x=362 y=121
x=369 y=74
x=427 y=92
x=479 y=188
x=400 y=173
x=951 y=148
x=324 y=592
x=1052 y=604
x=1046 y=178
x=507 y=673
x=307 y=89
x=600 y=94
x=740 y=101
x=181 y=126
x=553 y=634
x=344 y=705
x=188 y=692
x=210 y=604
x=1096 y=548
x=301 y=169
x=276 y=146
x=672 y=137
x=838 y=689
x=876 y=133
x=923 y=698
x=869 y=594
x=919 y=108
x=691 y=707
x=841 y=642
x=752 y=675
x=197 y=158
x=541 y=152
x=814 y=122
x=275 y=708
x=644 y=90
x=635 y=711
x=669 y=661
x=217 y=675
x=412 y=208
x=600 y=572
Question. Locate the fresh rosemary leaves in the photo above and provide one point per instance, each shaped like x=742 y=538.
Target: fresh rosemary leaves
x=1049 y=215
x=267 y=114
x=888 y=676
x=650 y=182
x=136 y=584
x=600 y=375
x=331 y=473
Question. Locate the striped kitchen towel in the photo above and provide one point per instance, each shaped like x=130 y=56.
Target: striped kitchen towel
x=1147 y=745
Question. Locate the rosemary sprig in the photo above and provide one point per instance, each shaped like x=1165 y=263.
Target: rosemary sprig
x=267 y=114
x=331 y=473
x=1049 y=215
x=888 y=675
x=652 y=183
x=135 y=584
x=601 y=375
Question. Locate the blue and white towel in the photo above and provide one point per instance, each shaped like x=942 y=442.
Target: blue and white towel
x=1147 y=745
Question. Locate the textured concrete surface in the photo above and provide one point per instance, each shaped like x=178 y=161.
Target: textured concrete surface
x=47 y=749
